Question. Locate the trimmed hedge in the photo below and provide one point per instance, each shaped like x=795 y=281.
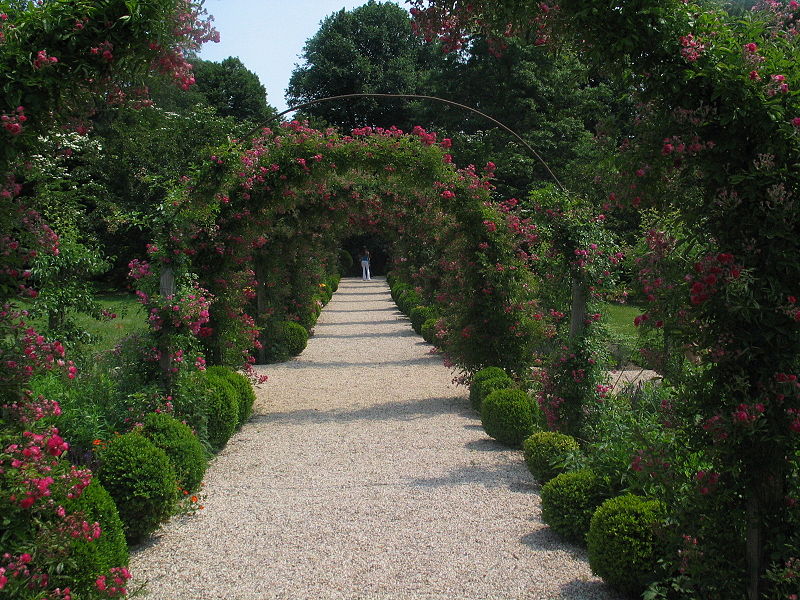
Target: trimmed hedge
x=507 y=416
x=480 y=390
x=622 y=542
x=245 y=394
x=543 y=449
x=569 y=501
x=141 y=480
x=420 y=314
x=223 y=410
x=95 y=558
x=429 y=330
x=295 y=336
x=181 y=446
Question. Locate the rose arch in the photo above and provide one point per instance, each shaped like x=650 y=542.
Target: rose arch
x=247 y=242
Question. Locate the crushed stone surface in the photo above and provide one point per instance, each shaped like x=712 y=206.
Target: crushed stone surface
x=364 y=474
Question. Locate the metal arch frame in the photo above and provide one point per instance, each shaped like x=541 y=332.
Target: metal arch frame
x=503 y=126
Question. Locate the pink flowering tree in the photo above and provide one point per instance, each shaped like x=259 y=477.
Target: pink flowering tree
x=57 y=60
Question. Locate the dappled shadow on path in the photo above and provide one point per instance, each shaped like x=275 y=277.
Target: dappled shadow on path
x=360 y=310
x=323 y=325
x=580 y=590
x=496 y=475
x=405 y=410
x=404 y=333
x=406 y=362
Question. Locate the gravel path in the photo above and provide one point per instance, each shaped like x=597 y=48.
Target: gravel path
x=364 y=474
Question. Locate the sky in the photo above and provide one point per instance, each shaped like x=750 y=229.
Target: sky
x=268 y=36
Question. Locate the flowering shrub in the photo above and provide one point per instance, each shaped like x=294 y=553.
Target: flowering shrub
x=704 y=83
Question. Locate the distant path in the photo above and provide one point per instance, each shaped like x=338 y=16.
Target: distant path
x=364 y=474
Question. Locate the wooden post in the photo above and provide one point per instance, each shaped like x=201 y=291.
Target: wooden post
x=580 y=301
x=166 y=290
x=261 y=305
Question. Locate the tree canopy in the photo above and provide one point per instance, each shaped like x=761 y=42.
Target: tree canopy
x=371 y=49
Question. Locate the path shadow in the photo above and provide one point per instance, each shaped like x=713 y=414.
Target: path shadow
x=321 y=324
x=381 y=293
x=402 y=333
x=492 y=476
x=361 y=310
x=301 y=364
x=408 y=410
x=580 y=590
x=485 y=445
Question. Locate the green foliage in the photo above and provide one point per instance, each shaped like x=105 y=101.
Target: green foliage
x=481 y=388
x=420 y=314
x=295 y=337
x=92 y=559
x=184 y=450
x=141 y=480
x=222 y=410
x=508 y=416
x=368 y=49
x=569 y=501
x=428 y=330
x=232 y=90
x=246 y=396
x=345 y=262
x=488 y=373
x=622 y=542
x=544 y=451
x=407 y=300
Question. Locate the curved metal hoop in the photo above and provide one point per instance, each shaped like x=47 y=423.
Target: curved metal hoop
x=436 y=99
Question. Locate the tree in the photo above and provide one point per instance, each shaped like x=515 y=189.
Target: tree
x=232 y=89
x=369 y=49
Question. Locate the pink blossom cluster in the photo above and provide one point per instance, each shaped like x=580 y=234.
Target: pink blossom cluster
x=138 y=269
x=691 y=47
x=191 y=312
x=707 y=481
x=12 y=123
x=43 y=60
x=711 y=272
x=113 y=584
x=777 y=85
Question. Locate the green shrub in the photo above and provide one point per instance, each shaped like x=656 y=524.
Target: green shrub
x=488 y=373
x=569 y=501
x=507 y=416
x=345 y=261
x=333 y=282
x=418 y=315
x=478 y=391
x=223 y=411
x=245 y=394
x=622 y=542
x=408 y=300
x=397 y=291
x=95 y=558
x=544 y=450
x=141 y=480
x=295 y=337
x=484 y=374
x=182 y=447
x=429 y=330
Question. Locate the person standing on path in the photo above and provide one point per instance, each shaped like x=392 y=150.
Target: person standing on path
x=365 y=275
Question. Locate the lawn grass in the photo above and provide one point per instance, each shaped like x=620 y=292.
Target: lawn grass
x=131 y=318
x=619 y=318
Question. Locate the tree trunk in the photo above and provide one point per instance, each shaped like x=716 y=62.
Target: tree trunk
x=261 y=308
x=580 y=302
x=166 y=289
